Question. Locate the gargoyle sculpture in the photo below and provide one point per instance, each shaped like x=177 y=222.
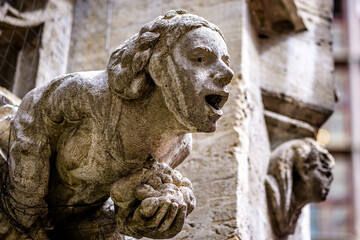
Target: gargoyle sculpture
x=84 y=137
x=299 y=173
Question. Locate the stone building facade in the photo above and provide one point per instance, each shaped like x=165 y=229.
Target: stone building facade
x=282 y=89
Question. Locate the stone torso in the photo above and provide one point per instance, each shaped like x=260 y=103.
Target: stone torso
x=87 y=149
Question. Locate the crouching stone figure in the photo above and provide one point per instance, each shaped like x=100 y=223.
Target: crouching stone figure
x=119 y=133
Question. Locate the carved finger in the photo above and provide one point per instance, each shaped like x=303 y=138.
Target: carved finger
x=146 y=191
x=159 y=215
x=172 y=192
x=187 y=183
x=189 y=199
x=166 y=178
x=179 y=221
x=123 y=209
x=177 y=178
x=169 y=218
x=136 y=221
x=123 y=189
x=149 y=206
x=155 y=182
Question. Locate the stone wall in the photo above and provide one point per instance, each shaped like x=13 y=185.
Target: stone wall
x=55 y=40
x=87 y=51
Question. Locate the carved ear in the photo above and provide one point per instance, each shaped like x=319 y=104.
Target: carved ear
x=126 y=68
x=126 y=76
x=157 y=69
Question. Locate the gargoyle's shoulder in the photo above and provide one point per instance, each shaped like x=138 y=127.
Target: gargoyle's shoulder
x=92 y=83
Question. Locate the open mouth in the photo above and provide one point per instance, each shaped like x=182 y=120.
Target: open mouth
x=216 y=101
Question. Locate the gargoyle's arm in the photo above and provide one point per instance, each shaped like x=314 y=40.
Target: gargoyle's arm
x=29 y=165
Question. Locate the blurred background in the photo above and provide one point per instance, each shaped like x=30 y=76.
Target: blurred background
x=338 y=218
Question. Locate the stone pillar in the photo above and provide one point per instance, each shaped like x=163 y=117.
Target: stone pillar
x=55 y=41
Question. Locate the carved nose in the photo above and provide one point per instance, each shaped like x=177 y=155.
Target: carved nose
x=228 y=75
x=223 y=75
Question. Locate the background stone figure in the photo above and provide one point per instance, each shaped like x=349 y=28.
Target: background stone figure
x=120 y=132
x=299 y=173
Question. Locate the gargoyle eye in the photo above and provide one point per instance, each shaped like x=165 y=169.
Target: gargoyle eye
x=226 y=60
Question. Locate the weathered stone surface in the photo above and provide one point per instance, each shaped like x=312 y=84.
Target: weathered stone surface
x=257 y=75
x=299 y=173
x=118 y=132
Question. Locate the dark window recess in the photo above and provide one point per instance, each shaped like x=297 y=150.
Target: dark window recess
x=20 y=40
x=19 y=57
x=338 y=8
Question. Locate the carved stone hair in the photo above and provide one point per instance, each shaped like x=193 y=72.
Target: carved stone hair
x=127 y=67
x=299 y=154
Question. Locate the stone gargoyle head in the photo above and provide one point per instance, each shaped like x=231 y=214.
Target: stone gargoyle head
x=299 y=173
x=180 y=53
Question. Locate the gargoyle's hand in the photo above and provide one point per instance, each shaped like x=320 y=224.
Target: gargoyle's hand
x=167 y=175
x=161 y=214
x=157 y=206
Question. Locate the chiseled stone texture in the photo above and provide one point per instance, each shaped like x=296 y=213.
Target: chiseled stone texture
x=259 y=149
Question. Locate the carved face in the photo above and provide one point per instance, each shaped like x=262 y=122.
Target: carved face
x=316 y=183
x=320 y=176
x=197 y=74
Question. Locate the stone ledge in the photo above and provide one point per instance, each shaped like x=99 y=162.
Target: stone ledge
x=288 y=106
x=282 y=128
x=275 y=16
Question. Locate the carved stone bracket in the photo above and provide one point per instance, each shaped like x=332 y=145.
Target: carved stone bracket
x=271 y=17
x=287 y=118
